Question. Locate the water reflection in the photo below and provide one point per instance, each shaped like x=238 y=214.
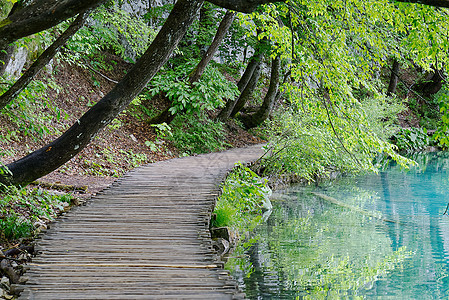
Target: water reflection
x=334 y=246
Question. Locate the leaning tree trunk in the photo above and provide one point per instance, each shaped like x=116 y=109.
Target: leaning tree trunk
x=166 y=116
x=254 y=62
x=43 y=60
x=393 y=78
x=77 y=137
x=222 y=30
x=254 y=120
x=247 y=92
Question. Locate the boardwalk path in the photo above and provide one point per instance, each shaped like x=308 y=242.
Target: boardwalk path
x=145 y=237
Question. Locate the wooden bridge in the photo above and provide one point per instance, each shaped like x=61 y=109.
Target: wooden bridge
x=145 y=237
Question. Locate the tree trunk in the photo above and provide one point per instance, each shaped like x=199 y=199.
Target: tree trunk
x=254 y=62
x=248 y=6
x=251 y=121
x=393 y=78
x=247 y=92
x=164 y=117
x=225 y=24
x=43 y=60
x=222 y=30
x=77 y=137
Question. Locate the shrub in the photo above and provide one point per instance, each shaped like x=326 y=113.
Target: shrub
x=244 y=198
x=208 y=93
x=20 y=209
x=317 y=137
x=411 y=139
x=195 y=133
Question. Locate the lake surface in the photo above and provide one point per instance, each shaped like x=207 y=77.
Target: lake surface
x=372 y=236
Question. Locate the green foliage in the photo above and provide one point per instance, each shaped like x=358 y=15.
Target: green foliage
x=412 y=139
x=31 y=112
x=336 y=49
x=193 y=134
x=21 y=210
x=163 y=130
x=381 y=115
x=426 y=110
x=138 y=107
x=441 y=135
x=5 y=7
x=155 y=15
x=244 y=199
x=199 y=35
x=112 y=29
x=208 y=93
x=317 y=137
x=109 y=163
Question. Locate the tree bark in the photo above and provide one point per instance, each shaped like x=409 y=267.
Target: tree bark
x=43 y=60
x=222 y=30
x=254 y=120
x=166 y=116
x=245 y=6
x=393 y=78
x=77 y=137
x=436 y=3
x=254 y=62
x=247 y=92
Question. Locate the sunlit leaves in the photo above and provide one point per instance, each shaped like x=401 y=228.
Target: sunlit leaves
x=335 y=50
x=207 y=93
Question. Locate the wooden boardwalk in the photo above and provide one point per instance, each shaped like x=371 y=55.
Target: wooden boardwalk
x=145 y=237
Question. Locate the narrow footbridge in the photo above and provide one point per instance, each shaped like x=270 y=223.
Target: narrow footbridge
x=145 y=237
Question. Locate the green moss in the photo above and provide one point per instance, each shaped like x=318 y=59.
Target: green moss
x=5 y=22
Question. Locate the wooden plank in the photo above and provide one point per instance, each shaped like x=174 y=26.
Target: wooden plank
x=144 y=237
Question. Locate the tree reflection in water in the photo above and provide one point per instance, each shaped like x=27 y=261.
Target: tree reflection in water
x=312 y=248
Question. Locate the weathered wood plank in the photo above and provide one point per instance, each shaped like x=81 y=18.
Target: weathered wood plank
x=144 y=237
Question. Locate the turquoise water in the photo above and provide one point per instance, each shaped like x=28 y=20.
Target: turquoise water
x=370 y=236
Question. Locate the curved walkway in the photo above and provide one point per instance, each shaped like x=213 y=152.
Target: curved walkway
x=145 y=237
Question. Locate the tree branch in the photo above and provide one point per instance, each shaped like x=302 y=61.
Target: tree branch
x=245 y=6
x=41 y=15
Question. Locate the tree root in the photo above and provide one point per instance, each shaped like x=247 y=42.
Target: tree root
x=61 y=187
